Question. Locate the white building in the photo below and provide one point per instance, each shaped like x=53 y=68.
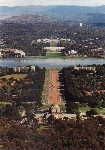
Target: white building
x=81 y=24
x=8 y=52
x=54 y=48
x=19 y=53
x=72 y=52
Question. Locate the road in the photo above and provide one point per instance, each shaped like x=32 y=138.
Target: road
x=53 y=91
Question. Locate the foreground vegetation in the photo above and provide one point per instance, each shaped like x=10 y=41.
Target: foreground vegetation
x=20 y=129
x=22 y=86
x=23 y=133
x=84 y=86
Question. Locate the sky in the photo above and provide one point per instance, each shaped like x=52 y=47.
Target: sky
x=51 y=2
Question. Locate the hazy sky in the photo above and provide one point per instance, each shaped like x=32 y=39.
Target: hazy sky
x=52 y=2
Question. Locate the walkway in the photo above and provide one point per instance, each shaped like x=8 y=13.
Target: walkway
x=53 y=91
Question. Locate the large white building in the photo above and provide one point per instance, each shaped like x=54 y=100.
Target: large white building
x=57 y=40
x=48 y=40
x=54 y=49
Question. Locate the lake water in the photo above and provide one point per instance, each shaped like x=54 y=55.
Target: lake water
x=51 y=63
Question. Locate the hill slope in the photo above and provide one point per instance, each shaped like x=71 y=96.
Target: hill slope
x=30 y=19
x=74 y=13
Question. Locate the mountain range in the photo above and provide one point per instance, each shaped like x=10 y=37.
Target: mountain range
x=28 y=18
x=72 y=13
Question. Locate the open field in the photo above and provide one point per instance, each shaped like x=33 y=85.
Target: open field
x=54 y=54
x=16 y=76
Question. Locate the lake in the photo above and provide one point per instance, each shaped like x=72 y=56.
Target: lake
x=51 y=63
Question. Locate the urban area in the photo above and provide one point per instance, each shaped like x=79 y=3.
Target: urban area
x=51 y=108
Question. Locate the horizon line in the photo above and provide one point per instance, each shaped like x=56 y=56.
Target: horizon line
x=52 y=5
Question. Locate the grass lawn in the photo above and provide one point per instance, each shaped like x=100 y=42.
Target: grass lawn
x=45 y=88
x=16 y=76
x=84 y=109
x=47 y=106
x=54 y=55
x=98 y=110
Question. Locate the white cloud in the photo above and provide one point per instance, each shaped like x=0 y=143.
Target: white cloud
x=52 y=2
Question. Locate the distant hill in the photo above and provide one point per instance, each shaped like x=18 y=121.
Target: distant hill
x=73 y=13
x=20 y=10
x=30 y=19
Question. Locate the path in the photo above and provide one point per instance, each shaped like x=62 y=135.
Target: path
x=53 y=91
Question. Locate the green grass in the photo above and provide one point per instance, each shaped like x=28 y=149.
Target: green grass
x=23 y=103
x=44 y=107
x=47 y=106
x=16 y=76
x=44 y=88
x=83 y=109
x=49 y=55
x=98 y=110
x=28 y=57
x=53 y=54
x=102 y=57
